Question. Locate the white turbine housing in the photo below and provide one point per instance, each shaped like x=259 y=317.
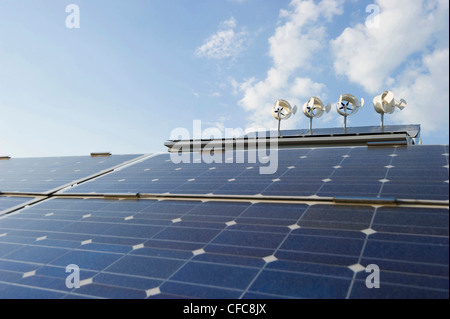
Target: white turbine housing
x=348 y=104
x=282 y=110
x=385 y=103
x=315 y=108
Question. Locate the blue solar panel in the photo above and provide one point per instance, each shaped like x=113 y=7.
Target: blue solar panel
x=223 y=229
x=222 y=249
x=11 y=203
x=42 y=175
x=401 y=172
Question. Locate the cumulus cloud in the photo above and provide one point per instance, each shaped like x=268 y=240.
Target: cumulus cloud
x=405 y=49
x=368 y=54
x=425 y=88
x=291 y=47
x=227 y=42
x=407 y=53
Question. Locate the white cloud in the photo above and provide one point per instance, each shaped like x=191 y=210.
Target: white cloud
x=407 y=54
x=369 y=56
x=227 y=42
x=292 y=47
x=425 y=88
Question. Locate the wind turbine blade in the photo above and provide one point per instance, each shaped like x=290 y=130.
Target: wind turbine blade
x=402 y=104
x=378 y=104
x=389 y=97
x=294 y=109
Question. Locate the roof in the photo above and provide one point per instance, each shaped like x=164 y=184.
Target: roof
x=214 y=225
x=413 y=131
x=321 y=137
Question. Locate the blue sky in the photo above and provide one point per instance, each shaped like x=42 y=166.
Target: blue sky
x=135 y=70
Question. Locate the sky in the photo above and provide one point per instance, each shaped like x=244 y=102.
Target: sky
x=84 y=76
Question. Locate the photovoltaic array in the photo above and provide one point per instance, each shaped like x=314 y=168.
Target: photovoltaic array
x=400 y=172
x=46 y=174
x=146 y=227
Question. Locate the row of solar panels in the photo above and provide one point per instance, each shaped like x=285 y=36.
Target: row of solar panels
x=222 y=230
x=419 y=173
x=194 y=249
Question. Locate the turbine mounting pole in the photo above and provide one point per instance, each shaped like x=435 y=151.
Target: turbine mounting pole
x=279 y=131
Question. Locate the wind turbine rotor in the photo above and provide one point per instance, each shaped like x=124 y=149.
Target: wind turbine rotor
x=314 y=108
x=282 y=110
x=347 y=105
x=385 y=103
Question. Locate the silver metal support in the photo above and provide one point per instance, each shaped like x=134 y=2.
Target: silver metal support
x=279 y=131
x=345 y=124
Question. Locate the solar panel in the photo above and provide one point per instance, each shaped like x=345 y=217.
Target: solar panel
x=195 y=249
x=45 y=174
x=323 y=172
x=11 y=203
x=153 y=228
